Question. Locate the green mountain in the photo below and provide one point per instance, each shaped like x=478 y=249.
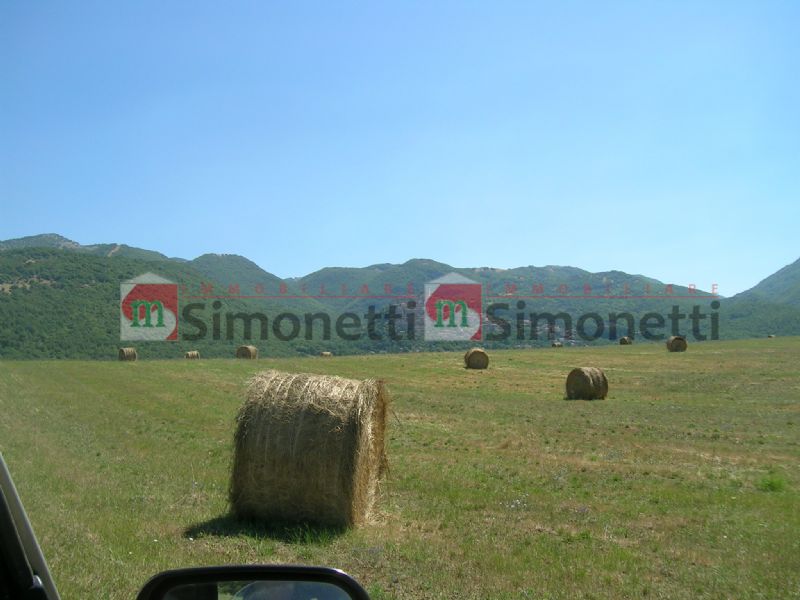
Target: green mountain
x=772 y=307
x=742 y=317
x=232 y=269
x=239 y=276
x=541 y=289
x=110 y=250
x=60 y=299
x=58 y=303
x=782 y=287
x=53 y=240
x=44 y=240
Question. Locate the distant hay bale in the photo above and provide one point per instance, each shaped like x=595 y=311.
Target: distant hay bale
x=326 y=354
x=625 y=340
x=247 y=352
x=476 y=358
x=557 y=344
x=676 y=343
x=587 y=383
x=193 y=354
x=309 y=449
x=771 y=335
x=128 y=354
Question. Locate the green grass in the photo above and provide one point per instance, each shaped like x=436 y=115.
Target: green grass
x=684 y=483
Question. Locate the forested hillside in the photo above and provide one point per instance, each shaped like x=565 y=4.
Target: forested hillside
x=59 y=299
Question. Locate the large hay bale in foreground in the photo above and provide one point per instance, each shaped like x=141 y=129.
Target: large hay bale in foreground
x=247 y=352
x=625 y=340
x=193 y=354
x=309 y=448
x=476 y=358
x=127 y=354
x=676 y=343
x=587 y=383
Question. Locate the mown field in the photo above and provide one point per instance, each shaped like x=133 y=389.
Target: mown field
x=684 y=483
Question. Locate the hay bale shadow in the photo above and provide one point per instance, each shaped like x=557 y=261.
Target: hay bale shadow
x=291 y=533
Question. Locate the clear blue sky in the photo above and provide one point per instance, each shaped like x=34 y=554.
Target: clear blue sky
x=660 y=138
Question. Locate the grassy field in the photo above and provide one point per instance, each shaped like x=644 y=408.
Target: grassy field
x=684 y=483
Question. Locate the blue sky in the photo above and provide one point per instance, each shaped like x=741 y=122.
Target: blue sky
x=660 y=138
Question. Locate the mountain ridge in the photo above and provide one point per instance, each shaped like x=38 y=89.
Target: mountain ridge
x=784 y=282
x=245 y=268
x=45 y=276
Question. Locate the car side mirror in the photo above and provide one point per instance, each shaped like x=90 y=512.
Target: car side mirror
x=253 y=582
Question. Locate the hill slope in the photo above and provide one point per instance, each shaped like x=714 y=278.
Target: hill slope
x=53 y=240
x=782 y=287
x=770 y=307
x=65 y=304
x=44 y=240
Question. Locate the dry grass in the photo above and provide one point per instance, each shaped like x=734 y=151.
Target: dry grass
x=683 y=484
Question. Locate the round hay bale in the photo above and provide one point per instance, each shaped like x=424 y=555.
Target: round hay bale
x=587 y=383
x=557 y=344
x=771 y=335
x=309 y=448
x=326 y=354
x=127 y=354
x=625 y=340
x=676 y=343
x=476 y=358
x=247 y=352
x=193 y=354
